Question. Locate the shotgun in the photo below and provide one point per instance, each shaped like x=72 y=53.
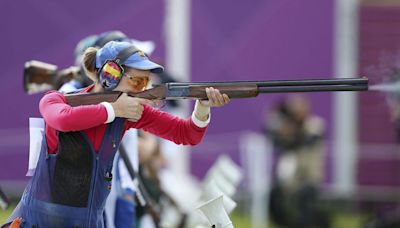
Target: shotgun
x=41 y=76
x=234 y=89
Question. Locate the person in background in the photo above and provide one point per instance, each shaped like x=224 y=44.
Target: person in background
x=297 y=136
x=152 y=162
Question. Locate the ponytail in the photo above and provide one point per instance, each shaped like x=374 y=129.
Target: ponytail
x=89 y=63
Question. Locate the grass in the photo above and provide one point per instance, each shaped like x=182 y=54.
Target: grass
x=5 y=213
x=339 y=220
x=348 y=220
x=240 y=220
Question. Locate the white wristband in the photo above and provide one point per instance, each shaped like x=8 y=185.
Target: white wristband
x=201 y=110
x=110 y=112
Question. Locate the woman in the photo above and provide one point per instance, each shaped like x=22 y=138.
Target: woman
x=73 y=176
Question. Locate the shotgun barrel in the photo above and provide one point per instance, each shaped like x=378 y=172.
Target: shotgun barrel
x=323 y=84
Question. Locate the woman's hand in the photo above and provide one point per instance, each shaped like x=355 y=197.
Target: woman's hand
x=215 y=98
x=130 y=108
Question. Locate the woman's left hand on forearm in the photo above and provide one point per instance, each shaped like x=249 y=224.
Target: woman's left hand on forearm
x=215 y=98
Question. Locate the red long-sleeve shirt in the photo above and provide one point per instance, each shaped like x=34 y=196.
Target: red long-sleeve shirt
x=91 y=119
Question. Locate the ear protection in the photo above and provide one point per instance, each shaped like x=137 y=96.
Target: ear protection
x=111 y=71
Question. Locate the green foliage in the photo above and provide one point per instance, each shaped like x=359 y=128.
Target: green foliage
x=5 y=213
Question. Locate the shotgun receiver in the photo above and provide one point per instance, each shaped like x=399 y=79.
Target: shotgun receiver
x=234 y=89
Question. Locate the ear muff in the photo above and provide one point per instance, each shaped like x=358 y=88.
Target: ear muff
x=111 y=71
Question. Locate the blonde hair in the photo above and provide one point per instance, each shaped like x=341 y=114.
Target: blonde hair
x=89 y=63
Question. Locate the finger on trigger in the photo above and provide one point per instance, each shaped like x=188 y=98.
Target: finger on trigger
x=123 y=95
x=145 y=101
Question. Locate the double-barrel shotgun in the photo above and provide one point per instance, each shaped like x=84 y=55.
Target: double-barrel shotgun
x=234 y=89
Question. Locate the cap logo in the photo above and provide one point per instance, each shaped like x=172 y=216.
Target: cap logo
x=141 y=53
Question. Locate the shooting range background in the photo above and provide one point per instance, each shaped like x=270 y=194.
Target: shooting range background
x=229 y=42
x=264 y=40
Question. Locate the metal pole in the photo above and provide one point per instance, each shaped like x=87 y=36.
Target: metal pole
x=177 y=34
x=345 y=142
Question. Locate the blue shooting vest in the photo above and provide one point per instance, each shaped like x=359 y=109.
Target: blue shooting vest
x=70 y=188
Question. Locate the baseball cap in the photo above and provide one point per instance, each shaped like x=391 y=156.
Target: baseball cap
x=138 y=60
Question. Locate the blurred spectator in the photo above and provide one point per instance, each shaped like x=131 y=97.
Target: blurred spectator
x=151 y=162
x=297 y=136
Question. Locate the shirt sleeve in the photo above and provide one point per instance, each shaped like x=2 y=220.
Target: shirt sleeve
x=63 y=117
x=167 y=126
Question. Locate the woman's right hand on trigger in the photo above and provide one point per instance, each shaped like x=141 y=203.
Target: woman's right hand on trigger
x=130 y=108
